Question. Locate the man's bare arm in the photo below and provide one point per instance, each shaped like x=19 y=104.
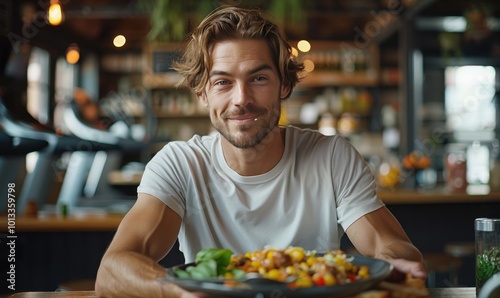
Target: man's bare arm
x=129 y=267
x=378 y=234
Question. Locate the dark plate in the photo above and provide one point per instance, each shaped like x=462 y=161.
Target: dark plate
x=379 y=270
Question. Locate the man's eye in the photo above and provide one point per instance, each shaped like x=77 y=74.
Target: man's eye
x=221 y=83
x=260 y=78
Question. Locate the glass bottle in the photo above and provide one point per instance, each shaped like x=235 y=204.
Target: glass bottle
x=455 y=167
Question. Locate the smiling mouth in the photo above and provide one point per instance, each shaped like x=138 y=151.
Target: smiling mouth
x=244 y=119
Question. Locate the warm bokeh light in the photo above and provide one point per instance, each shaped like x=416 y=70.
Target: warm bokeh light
x=119 y=41
x=73 y=54
x=55 y=13
x=304 y=46
x=308 y=65
x=295 y=52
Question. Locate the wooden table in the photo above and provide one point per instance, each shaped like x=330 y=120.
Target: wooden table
x=452 y=292
x=54 y=294
x=434 y=293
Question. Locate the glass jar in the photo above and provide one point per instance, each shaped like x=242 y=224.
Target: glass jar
x=455 y=167
x=487 y=233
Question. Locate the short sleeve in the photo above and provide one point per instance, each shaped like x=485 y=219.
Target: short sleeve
x=163 y=180
x=354 y=184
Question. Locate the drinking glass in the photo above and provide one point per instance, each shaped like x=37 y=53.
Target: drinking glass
x=487 y=234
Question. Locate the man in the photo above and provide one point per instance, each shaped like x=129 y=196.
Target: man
x=253 y=183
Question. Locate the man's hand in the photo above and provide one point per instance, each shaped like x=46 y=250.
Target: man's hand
x=404 y=267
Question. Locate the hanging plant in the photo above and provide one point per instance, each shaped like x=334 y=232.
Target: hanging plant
x=170 y=18
x=289 y=14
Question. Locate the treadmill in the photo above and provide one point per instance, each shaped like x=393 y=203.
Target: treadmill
x=12 y=153
x=17 y=124
x=86 y=182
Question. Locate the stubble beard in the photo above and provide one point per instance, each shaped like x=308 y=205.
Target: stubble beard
x=248 y=139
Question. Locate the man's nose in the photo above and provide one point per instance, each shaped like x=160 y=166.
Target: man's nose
x=242 y=94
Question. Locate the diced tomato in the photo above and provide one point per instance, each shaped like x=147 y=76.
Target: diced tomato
x=352 y=277
x=319 y=280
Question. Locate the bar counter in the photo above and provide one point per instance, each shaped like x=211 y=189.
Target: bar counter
x=440 y=195
x=91 y=222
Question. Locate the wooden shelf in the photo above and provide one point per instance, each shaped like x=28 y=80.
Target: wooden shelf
x=324 y=78
x=161 y=80
x=195 y=116
x=120 y=178
x=332 y=54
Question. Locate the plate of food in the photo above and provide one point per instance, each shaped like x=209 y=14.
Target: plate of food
x=276 y=272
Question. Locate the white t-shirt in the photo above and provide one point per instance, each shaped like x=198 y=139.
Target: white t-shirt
x=320 y=186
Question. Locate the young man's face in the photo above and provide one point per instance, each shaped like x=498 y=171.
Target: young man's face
x=243 y=92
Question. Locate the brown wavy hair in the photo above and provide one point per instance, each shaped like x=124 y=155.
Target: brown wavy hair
x=228 y=23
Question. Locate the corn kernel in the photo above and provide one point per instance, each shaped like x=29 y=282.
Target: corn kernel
x=330 y=280
x=303 y=266
x=255 y=263
x=270 y=254
x=290 y=270
x=303 y=273
x=364 y=272
x=274 y=274
x=304 y=282
x=297 y=255
x=348 y=266
x=310 y=261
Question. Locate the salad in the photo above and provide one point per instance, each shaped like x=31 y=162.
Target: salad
x=297 y=267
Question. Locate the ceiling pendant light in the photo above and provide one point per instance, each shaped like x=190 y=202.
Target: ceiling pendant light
x=73 y=53
x=119 y=41
x=55 y=14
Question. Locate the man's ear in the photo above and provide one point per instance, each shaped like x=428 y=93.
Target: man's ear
x=202 y=97
x=285 y=91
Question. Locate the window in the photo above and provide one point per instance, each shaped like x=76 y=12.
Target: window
x=469 y=101
x=38 y=85
x=65 y=83
x=471 y=116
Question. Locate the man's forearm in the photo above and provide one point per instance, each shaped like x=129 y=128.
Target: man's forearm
x=129 y=274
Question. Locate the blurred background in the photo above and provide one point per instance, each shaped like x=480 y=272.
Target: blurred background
x=412 y=84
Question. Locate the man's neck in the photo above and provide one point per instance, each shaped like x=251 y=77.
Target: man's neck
x=259 y=159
